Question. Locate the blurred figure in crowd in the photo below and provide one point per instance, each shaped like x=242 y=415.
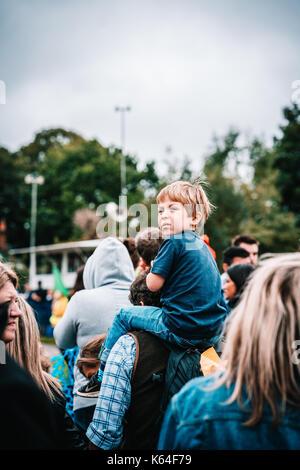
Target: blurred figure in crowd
x=107 y=276
x=254 y=403
x=248 y=243
x=237 y=277
x=232 y=256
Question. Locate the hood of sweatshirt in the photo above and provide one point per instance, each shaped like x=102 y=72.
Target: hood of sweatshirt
x=110 y=264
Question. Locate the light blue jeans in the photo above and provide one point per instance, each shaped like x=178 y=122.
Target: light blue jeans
x=148 y=319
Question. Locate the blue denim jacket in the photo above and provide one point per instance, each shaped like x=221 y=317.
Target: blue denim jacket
x=197 y=419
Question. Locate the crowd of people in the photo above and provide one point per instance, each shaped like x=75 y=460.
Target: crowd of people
x=137 y=307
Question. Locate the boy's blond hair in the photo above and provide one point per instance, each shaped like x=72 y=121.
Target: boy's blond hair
x=192 y=195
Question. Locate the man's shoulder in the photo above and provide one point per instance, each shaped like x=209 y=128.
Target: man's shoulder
x=124 y=350
x=145 y=339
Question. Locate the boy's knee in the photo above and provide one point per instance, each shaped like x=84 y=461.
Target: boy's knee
x=121 y=313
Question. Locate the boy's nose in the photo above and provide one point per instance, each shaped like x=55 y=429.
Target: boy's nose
x=165 y=213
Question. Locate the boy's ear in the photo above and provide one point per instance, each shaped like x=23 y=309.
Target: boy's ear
x=196 y=219
x=142 y=303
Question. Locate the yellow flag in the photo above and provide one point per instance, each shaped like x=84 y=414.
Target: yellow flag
x=209 y=361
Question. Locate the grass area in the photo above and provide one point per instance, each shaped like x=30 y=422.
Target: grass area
x=47 y=339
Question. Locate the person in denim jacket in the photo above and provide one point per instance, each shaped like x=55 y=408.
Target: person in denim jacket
x=254 y=402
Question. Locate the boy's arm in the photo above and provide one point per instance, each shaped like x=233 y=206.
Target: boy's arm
x=154 y=281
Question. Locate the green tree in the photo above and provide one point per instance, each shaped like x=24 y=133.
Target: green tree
x=224 y=192
x=272 y=225
x=82 y=174
x=287 y=161
x=77 y=173
x=252 y=205
x=13 y=203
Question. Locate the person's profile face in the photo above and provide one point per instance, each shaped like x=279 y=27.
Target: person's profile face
x=252 y=250
x=89 y=371
x=229 y=288
x=9 y=294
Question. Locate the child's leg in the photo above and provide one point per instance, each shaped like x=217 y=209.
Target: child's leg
x=135 y=317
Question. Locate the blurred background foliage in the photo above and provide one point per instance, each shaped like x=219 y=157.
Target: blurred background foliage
x=255 y=188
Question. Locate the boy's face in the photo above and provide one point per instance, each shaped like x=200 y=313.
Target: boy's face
x=173 y=218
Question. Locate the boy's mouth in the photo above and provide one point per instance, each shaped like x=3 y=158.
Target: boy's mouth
x=165 y=226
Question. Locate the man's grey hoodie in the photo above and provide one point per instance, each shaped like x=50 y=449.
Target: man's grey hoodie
x=107 y=276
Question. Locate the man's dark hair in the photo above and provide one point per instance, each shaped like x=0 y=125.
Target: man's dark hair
x=140 y=292
x=244 y=238
x=132 y=250
x=148 y=243
x=232 y=252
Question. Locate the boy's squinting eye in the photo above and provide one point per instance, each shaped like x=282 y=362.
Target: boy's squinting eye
x=170 y=208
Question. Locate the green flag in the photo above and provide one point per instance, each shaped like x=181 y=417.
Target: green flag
x=58 y=283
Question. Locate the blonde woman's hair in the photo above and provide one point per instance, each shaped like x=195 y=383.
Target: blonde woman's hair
x=260 y=336
x=26 y=350
x=7 y=274
x=192 y=195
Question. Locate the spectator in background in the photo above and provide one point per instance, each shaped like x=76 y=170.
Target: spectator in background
x=127 y=414
x=148 y=242
x=9 y=302
x=28 y=421
x=25 y=349
x=78 y=285
x=41 y=306
x=89 y=361
x=232 y=256
x=237 y=277
x=254 y=403
x=59 y=305
x=248 y=243
x=107 y=276
x=132 y=250
x=39 y=294
x=63 y=364
x=27 y=291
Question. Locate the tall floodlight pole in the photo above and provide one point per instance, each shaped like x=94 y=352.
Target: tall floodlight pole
x=35 y=180
x=123 y=110
x=123 y=196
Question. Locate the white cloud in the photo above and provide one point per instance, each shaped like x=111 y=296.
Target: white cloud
x=188 y=69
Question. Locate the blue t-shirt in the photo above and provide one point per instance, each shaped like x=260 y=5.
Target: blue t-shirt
x=192 y=302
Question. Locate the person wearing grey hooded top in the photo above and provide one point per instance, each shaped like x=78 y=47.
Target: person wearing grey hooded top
x=107 y=276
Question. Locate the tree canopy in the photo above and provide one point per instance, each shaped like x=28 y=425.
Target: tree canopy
x=254 y=188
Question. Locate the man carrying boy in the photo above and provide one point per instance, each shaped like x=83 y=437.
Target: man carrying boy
x=193 y=308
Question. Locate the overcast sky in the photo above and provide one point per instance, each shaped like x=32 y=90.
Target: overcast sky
x=189 y=69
